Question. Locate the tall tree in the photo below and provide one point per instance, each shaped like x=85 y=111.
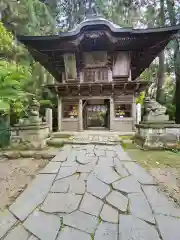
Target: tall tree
x=30 y=17
x=72 y=12
x=171 y=7
x=161 y=70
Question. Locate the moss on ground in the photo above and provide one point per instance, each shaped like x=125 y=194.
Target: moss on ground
x=128 y=145
x=92 y=236
x=64 y=136
x=126 y=137
x=153 y=159
x=56 y=144
x=99 y=219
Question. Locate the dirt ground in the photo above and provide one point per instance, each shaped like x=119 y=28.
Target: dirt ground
x=164 y=166
x=15 y=175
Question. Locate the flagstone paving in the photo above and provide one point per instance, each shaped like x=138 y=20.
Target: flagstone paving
x=91 y=192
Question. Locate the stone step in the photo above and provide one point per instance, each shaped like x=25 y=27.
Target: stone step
x=60 y=135
x=60 y=138
x=37 y=154
x=57 y=142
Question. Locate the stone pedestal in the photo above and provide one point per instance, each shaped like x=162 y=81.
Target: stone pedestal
x=29 y=135
x=158 y=135
x=156 y=131
x=30 y=132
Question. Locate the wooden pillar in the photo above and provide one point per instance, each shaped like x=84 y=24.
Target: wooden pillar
x=134 y=111
x=59 y=113
x=80 y=115
x=111 y=114
x=130 y=77
x=49 y=118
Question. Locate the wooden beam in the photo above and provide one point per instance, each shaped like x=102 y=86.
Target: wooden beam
x=79 y=89
x=101 y=89
x=112 y=89
x=137 y=86
x=90 y=89
x=56 y=89
x=125 y=85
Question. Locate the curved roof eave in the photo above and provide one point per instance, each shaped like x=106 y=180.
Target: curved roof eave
x=106 y=23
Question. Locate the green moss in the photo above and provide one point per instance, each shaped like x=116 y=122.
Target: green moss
x=62 y=226
x=99 y=219
x=129 y=145
x=110 y=185
x=153 y=159
x=64 y=136
x=126 y=137
x=76 y=174
x=92 y=236
x=56 y=143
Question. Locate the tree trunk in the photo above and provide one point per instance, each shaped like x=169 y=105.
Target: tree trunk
x=161 y=70
x=161 y=77
x=173 y=21
x=177 y=74
x=90 y=5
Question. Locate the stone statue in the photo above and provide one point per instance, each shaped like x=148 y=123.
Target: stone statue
x=154 y=111
x=152 y=90
x=34 y=108
x=33 y=113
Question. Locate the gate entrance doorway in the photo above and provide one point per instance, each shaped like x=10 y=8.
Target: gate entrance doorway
x=96 y=114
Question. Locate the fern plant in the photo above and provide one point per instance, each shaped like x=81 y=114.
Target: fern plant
x=12 y=81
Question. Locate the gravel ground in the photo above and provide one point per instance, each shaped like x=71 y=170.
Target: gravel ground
x=15 y=175
x=169 y=181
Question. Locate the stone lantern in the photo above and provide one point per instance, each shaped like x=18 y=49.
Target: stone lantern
x=32 y=132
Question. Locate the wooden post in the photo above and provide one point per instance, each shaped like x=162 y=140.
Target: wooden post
x=80 y=115
x=111 y=114
x=59 y=113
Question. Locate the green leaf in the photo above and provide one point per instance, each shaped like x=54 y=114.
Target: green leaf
x=4 y=106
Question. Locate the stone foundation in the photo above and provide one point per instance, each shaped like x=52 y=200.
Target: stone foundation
x=31 y=135
x=158 y=135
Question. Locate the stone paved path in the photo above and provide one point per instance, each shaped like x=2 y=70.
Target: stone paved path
x=91 y=192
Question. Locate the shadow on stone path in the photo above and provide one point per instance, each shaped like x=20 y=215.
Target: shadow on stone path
x=91 y=192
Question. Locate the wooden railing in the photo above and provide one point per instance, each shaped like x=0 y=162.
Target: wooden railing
x=95 y=75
